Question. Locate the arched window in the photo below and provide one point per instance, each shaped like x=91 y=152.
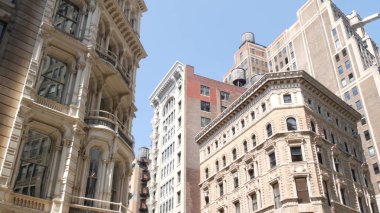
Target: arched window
x=206 y=173
x=253 y=116
x=234 y=154
x=224 y=161
x=33 y=171
x=312 y=126
x=53 y=79
x=291 y=124
x=92 y=175
x=269 y=130
x=242 y=122
x=254 y=143
x=217 y=166
x=245 y=146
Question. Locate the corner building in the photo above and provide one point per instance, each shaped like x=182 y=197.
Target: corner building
x=286 y=145
x=70 y=147
x=336 y=50
x=183 y=103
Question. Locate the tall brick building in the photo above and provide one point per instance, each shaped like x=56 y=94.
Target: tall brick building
x=335 y=49
x=183 y=104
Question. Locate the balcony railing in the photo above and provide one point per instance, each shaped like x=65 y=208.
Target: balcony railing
x=107 y=119
x=29 y=202
x=77 y=205
x=112 y=59
x=52 y=104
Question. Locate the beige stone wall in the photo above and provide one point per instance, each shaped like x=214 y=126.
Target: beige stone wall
x=330 y=120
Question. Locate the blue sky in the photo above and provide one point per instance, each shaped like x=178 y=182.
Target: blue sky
x=206 y=33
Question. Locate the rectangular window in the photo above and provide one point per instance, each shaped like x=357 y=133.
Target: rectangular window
x=344 y=52
x=371 y=151
x=348 y=64
x=287 y=98
x=343 y=195
x=336 y=163
x=337 y=58
x=205 y=90
x=343 y=82
x=254 y=201
x=376 y=168
x=302 y=190
x=3 y=26
x=221 y=189
x=237 y=207
x=351 y=77
x=359 y=105
x=263 y=107
x=236 y=180
x=353 y=173
x=355 y=91
x=205 y=106
x=340 y=69
x=296 y=153
x=179 y=176
x=67 y=17
x=367 y=135
x=276 y=196
x=327 y=194
x=205 y=121
x=179 y=197
x=272 y=159
x=347 y=96
x=319 y=155
x=224 y=96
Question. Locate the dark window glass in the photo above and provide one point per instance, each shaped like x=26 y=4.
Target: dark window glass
x=3 y=26
x=269 y=130
x=327 y=194
x=376 y=168
x=287 y=98
x=272 y=159
x=276 y=195
x=312 y=126
x=245 y=145
x=234 y=154
x=367 y=135
x=343 y=195
x=296 y=153
x=291 y=124
x=224 y=96
x=319 y=155
x=205 y=106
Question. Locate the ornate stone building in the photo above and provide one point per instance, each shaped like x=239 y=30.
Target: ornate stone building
x=287 y=144
x=183 y=103
x=70 y=148
x=334 y=48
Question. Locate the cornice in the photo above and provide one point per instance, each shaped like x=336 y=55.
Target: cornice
x=177 y=67
x=262 y=85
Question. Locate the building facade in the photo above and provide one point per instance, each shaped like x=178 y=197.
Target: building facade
x=183 y=103
x=335 y=49
x=286 y=145
x=70 y=147
x=139 y=192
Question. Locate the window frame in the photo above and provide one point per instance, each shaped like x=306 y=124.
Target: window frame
x=205 y=106
x=204 y=90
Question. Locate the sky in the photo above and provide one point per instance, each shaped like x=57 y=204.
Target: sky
x=206 y=34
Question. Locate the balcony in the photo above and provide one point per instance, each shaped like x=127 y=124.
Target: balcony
x=32 y=203
x=112 y=59
x=108 y=120
x=144 y=192
x=145 y=177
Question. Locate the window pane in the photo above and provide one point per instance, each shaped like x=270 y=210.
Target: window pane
x=224 y=96
x=205 y=106
x=291 y=124
x=296 y=154
x=67 y=17
x=34 y=163
x=287 y=99
x=205 y=90
x=53 y=79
